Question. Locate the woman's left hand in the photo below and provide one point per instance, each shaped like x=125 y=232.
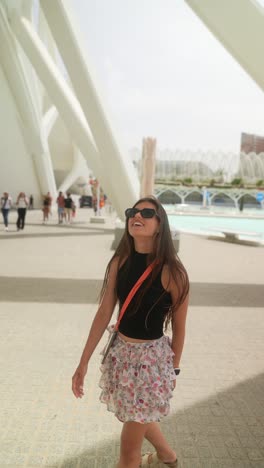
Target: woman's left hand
x=78 y=380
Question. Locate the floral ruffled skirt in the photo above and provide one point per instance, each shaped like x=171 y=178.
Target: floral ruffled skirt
x=137 y=380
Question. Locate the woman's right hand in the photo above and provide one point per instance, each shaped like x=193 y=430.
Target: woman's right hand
x=78 y=380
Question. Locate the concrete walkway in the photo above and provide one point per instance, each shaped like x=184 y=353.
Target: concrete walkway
x=50 y=277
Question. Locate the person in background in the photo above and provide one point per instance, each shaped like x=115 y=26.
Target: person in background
x=138 y=375
x=47 y=201
x=68 y=207
x=241 y=203
x=31 y=202
x=61 y=203
x=94 y=204
x=6 y=204
x=73 y=210
x=102 y=203
x=22 y=204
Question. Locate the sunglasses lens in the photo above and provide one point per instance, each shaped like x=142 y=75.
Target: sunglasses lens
x=130 y=212
x=145 y=212
x=148 y=213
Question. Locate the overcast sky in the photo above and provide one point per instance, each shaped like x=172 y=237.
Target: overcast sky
x=163 y=74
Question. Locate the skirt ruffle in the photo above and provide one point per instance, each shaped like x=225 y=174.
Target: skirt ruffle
x=137 y=380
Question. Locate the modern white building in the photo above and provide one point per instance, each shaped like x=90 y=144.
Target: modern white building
x=53 y=123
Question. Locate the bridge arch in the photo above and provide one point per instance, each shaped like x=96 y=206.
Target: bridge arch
x=169 y=196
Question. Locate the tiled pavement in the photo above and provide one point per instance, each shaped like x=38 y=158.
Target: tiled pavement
x=49 y=280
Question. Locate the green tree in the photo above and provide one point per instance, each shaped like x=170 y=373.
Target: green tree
x=187 y=180
x=237 y=181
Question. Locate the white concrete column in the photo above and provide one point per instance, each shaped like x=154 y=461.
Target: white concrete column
x=117 y=165
x=49 y=119
x=204 y=197
x=59 y=92
x=239 y=26
x=148 y=167
x=76 y=171
x=28 y=111
x=26 y=10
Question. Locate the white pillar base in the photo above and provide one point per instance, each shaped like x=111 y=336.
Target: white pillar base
x=97 y=219
x=119 y=231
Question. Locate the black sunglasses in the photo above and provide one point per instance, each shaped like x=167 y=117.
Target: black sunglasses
x=145 y=212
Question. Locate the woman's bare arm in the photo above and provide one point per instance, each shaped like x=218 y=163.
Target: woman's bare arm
x=178 y=331
x=179 y=316
x=103 y=315
x=100 y=322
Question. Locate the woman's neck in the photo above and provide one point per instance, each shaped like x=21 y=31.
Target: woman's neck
x=144 y=246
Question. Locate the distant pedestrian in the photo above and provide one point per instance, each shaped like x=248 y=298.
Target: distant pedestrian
x=73 y=210
x=22 y=204
x=47 y=201
x=68 y=207
x=241 y=203
x=61 y=203
x=6 y=204
x=101 y=203
x=94 y=204
x=31 y=202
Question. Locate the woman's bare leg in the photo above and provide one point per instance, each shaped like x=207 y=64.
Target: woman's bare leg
x=132 y=437
x=154 y=435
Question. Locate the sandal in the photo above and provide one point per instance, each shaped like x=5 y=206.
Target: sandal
x=151 y=459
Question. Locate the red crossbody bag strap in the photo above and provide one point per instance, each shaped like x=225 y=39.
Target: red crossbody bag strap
x=133 y=292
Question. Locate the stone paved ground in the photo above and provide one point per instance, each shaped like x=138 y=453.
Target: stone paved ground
x=217 y=414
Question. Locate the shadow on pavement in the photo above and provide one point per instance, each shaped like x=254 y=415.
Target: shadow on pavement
x=84 y=291
x=73 y=230
x=225 y=430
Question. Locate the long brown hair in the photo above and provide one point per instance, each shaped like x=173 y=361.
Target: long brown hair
x=163 y=252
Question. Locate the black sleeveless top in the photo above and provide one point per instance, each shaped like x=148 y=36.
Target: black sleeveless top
x=142 y=324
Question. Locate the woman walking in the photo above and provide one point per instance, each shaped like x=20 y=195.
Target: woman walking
x=22 y=204
x=60 y=203
x=47 y=202
x=68 y=208
x=139 y=372
x=6 y=203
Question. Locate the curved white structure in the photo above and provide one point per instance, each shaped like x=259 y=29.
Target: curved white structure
x=239 y=26
x=50 y=133
x=53 y=124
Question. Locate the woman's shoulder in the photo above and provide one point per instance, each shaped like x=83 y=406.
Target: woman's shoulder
x=175 y=280
x=168 y=278
x=117 y=262
x=114 y=268
x=165 y=276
